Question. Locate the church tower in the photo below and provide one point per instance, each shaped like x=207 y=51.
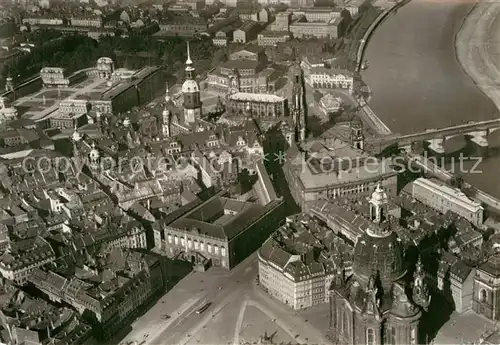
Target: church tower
x=166 y=123
x=357 y=137
x=191 y=92
x=298 y=109
x=76 y=138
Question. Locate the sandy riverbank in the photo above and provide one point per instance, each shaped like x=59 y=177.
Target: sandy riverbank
x=478 y=48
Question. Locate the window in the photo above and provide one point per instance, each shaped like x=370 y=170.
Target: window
x=176 y=239
x=190 y=244
x=202 y=246
x=169 y=238
x=345 y=322
x=391 y=335
x=209 y=248
x=216 y=250
x=223 y=251
x=413 y=336
x=483 y=296
x=370 y=336
x=183 y=241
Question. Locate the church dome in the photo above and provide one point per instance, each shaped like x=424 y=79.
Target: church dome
x=381 y=256
x=190 y=86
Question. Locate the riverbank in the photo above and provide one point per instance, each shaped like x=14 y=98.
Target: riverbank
x=415 y=78
x=477 y=47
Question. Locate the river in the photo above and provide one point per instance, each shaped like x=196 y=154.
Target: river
x=417 y=82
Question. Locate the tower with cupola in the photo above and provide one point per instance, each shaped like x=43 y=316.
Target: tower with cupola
x=191 y=93
x=357 y=137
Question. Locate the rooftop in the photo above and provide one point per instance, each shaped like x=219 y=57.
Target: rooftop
x=453 y=194
x=256 y=97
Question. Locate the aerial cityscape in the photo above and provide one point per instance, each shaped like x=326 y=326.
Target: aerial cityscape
x=249 y=172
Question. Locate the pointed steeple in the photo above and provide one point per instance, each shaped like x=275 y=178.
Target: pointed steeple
x=189 y=64
x=188 y=61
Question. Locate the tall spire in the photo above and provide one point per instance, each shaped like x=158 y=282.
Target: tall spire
x=189 y=64
x=188 y=61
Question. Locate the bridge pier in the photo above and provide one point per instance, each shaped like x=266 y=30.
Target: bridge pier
x=436 y=145
x=479 y=142
x=479 y=138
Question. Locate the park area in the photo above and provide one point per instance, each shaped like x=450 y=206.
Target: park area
x=348 y=46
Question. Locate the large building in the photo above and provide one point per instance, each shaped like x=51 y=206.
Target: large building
x=90 y=20
x=304 y=29
x=375 y=305
x=444 y=198
x=253 y=71
x=332 y=168
x=256 y=104
x=272 y=38
x=298 y=262
x=319 y=76
x=54 y=76
x=184 y=25
x=247 y=32
x=223 y=231
x=23 y=257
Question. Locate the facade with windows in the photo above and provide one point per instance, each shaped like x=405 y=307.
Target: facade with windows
x=486 y=294
x=375 y=305
x=221 y=231
x=445 y=198
x=258 y=104
x=332 y=168
x=272 y=38
x=291 y=271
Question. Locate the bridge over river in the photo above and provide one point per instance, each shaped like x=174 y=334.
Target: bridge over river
x=478 y=131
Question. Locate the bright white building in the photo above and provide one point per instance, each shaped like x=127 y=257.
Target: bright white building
x=445 y=198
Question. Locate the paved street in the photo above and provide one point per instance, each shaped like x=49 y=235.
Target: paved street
x=240 y=312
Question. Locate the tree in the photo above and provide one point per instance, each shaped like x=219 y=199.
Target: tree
x=457 y=182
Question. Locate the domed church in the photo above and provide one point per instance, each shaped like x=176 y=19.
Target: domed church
x=378 y=304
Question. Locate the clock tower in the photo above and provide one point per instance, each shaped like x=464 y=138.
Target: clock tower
x=191 y=93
